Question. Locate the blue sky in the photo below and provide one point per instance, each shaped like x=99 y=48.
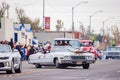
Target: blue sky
x=62 y=9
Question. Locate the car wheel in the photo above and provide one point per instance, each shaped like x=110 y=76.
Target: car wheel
x=57 y=64
x=63 y=66
x=37 y=65
x=19 y=70
x=107 y=57
x=12 y=69
x=86 y=66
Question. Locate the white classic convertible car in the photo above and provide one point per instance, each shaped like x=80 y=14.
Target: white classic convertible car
x=10 y=61
x=65 y=52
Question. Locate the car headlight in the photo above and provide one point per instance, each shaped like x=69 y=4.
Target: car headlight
x=7 y=64
x=67 y=57
x=3 y=58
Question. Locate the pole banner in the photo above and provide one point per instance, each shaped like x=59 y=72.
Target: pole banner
x=47 y=23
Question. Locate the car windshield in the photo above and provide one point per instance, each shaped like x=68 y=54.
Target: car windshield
x=4 y=49
x=59 y=49
x=113 y=48
x=86 y=43
x=67 y=43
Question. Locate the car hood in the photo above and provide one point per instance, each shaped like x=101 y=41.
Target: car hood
x=5 y=54
x=73 y=54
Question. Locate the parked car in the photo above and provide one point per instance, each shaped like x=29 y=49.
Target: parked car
x=10 y=60
x=65 y=52
x=113 y=52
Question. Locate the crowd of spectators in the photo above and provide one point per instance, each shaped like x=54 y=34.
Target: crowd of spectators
x=26 y=50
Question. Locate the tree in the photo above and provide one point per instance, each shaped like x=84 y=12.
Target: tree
x=35 y=25
x=116 y=33
x=99 y=37
x=22 y=18
x=82 y=28
x=59 y=25
x=3 y=8
x=85 y=31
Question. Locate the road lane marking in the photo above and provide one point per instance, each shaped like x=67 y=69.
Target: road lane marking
x=104 y=76
x=24 y=73
x=118 y=71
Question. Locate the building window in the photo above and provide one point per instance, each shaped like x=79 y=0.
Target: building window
x=22 y=34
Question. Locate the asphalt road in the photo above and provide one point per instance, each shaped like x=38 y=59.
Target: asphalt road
x=101 y=70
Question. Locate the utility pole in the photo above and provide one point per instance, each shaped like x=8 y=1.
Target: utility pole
x=43 y=22
x=90 y=22
x=104 y=29
x=73 y=16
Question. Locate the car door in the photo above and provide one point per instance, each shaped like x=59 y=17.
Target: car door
x=46 y=59
x=16 y=56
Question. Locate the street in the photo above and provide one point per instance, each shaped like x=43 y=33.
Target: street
x=101 y=70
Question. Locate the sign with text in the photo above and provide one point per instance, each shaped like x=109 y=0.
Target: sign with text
x=47 y=23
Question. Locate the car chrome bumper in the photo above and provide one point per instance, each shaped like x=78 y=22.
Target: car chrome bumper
x=113 y=57
x=77 y=62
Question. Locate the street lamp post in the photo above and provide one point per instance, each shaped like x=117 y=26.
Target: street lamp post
x=73 y=16
x=117 y=39
x=43 y=22
x=91 y=22
x=104 y=29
